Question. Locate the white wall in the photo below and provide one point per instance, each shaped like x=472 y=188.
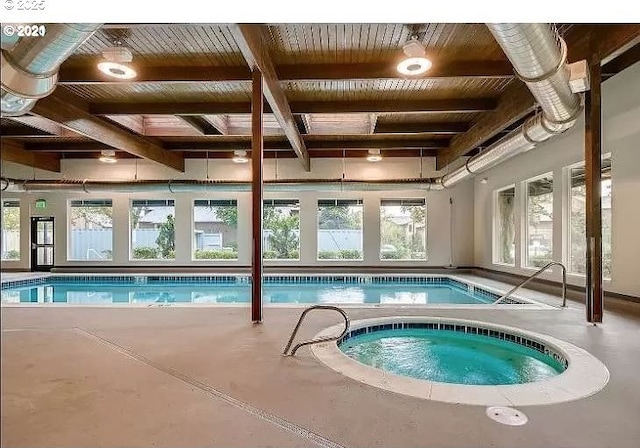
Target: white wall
x=621 y=138
x=391 y=168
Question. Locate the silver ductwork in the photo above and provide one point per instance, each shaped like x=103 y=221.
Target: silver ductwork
x=181 y=185
x=30 y=66
x=539 y=57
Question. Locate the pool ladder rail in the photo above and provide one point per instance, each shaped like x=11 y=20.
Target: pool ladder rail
x=318 y=340
x=536 y=274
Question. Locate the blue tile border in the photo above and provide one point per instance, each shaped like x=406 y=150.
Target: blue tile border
x=470 y=329
x=271 y=279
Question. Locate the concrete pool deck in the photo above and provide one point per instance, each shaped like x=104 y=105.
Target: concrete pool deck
x=207 y=377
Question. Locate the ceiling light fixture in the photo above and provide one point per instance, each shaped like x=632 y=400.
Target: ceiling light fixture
x=108 y=156
x=415 y=62
x=374 y=155
x=116 y=63
x=240 y=156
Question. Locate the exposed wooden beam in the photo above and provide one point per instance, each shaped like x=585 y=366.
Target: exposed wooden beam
x=201 y=124
x=252 y=40
x=229 y=143
x=623 y=61
x=256 y=195
x=516 y=101
x=22 y=131
x=13 y=151
x=72 y=113
x=44 y=125
x=593 y=173
x=220 y=122
x=133 y=123
x=453 y=105
x=428 y=127
x=74 y=75
x=300 y=123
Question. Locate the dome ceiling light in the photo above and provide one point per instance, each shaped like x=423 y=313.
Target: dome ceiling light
x=415 y=63
x=116 y=63
x=240 y=156
x=108 y=156
x=374 y=155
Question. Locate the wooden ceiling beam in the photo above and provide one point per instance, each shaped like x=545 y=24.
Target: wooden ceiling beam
x=72 y=113
x=253 y=43
x=451 y=127
x=517 y=101
x=453 y=105
x=44 y=125
x=74 y=75
x=13 y=151
x=200 y=124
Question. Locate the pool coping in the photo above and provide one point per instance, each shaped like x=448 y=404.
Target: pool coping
x=584 y=376
x=518 y=302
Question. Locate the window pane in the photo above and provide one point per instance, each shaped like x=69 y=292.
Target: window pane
x=403 y=225
x=539 y=221
x=10 y=230
x=281 y=229
x=577 y=242
x=339 y=230
x=152 y=230
x=215 y=230
x=505 y=246
x=90 y=230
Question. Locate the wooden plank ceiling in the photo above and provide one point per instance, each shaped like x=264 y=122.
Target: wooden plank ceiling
x=334 y=92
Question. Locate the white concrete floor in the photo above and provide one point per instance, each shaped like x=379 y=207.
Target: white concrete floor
x=208 y=377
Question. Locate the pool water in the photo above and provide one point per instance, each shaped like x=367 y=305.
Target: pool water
x=451 y=357
x=167 y=293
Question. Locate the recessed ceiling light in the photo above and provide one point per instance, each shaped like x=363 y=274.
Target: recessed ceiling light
x=415 y=62
x=240 y=156
x=108 y=156
x=374 y=155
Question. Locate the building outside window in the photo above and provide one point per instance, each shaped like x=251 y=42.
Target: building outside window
x=281 y=229
x=403 y=229
x=577 y=220
x=504 y=246
x=152 y=229
x=340 y=229
x=90 y=230
x=539 y=240
x=215 y=229
x=11 y=229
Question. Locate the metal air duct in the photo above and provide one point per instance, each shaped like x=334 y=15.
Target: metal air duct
x=539 y=57
x=30 y=67
x=183 y=185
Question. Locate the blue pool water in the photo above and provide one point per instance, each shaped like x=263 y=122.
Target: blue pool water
x=451 y=357
x=232 y=292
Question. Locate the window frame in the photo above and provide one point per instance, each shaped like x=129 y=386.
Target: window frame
x=20 y=236
x=524 y=261
x=426 y=230
x=70 y=230
x=231 y=201
x=345 y=202
x=131 y=248
x=495 y=233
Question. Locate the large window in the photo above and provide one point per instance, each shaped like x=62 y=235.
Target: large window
x=577 y=220
x=340 y=229
x=152 y=229
x=11 y=229
x=215 y=230
x=403 y=224
x=281 y=229
x=90 y=230
x=505 y=227
x=539 y=241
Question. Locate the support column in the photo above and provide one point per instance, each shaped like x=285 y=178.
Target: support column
x=593 y=170
x=256 y=196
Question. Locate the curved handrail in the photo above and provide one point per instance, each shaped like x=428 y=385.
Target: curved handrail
x=534 y=275
x=319 y=340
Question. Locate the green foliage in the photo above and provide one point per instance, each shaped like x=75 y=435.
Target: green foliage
x=145 y=253
x=166 y=238
x=11 y=218
x=228 y=214
x=283 y=239
x=269 y=255
x=339 y=217
x=98 y=216
x=12 y=255
x=346 y=254
x=215 y=255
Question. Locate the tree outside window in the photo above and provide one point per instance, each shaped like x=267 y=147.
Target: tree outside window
x=403 y=229
x=539 y=247
x=340 y=229
x=11 y=229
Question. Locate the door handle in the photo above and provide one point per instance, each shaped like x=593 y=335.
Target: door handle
x=34 y=246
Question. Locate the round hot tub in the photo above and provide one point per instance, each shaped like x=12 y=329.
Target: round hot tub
x=463 y=361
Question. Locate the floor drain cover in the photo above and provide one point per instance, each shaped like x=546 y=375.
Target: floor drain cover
x=507 y=416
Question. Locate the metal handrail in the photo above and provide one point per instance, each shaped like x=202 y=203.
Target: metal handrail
x=319 y=340
x=534 y=275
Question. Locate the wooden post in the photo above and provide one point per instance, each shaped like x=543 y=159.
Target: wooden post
x=593 y=170
x=256 y=196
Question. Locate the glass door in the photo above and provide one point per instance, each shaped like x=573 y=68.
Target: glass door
x=41 y=243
